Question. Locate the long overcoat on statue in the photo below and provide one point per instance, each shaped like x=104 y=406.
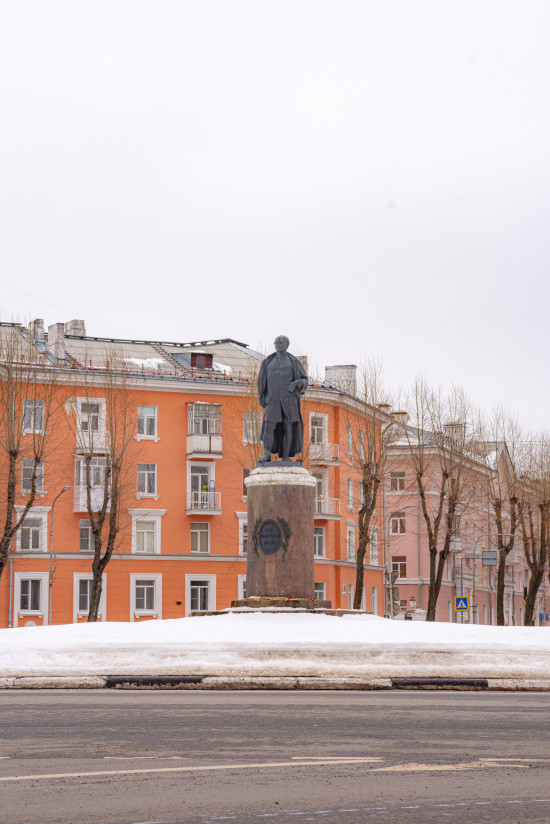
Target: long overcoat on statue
x=282 y=404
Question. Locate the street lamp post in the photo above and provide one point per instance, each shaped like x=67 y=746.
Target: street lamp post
x=65 y=489
x=388 y=556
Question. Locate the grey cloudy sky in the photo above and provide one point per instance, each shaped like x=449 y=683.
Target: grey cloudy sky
x=370 y=178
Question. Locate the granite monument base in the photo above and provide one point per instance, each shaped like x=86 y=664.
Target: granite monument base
x=280 y=561
x=279 y=603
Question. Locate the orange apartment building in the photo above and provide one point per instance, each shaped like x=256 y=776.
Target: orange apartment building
x=183 y=542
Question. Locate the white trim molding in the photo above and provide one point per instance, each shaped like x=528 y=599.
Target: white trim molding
x=40 y=512
x=42 y=613
x=146 y=613
x=243 y=522
x=199 y=576
x=87 y=576
x=147 y=515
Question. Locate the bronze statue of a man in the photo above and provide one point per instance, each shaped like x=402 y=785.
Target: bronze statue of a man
x=281 y=382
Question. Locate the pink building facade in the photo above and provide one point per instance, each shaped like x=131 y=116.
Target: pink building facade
x=406 y=543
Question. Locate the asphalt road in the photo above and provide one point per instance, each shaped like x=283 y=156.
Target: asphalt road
x=105 y=757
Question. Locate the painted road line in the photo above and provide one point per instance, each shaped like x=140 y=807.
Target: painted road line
x=465 y=765
x=204 y=768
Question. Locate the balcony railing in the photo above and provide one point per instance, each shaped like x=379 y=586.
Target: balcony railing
x=327 y=508
x=207 y=503
x=204 y=446
x=323 y=454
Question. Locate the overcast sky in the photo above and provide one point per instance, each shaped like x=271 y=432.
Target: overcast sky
x=369 y=178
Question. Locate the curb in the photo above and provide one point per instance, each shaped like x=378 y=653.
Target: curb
x=208 y=682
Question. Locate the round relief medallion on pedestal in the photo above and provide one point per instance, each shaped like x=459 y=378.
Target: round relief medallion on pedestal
x=270 y=537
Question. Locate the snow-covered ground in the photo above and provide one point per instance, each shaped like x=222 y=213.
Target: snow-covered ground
x=265 y=644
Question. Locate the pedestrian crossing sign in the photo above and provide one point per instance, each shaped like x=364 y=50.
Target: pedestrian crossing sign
x=462 y=603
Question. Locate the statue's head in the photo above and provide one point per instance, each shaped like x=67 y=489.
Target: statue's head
x=281 y=343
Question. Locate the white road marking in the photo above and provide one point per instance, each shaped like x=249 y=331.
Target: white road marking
x=206 y=767
x=465 y=765
x=141 y=757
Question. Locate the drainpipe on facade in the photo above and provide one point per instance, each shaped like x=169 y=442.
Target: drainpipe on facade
x=385 y=587
x=10 y=590
x=418 y=545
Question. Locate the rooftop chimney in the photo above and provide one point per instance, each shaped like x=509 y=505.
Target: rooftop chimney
x=345 y=377
x=303 y=361
x=36 y=328
x=76 y=327
x=401 y=417
x=56 y=341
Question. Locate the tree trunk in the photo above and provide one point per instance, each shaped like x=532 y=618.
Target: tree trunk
x=97 y=587
x=359 y=572
x=500 y=587
x=433 y=592
x=532 y=591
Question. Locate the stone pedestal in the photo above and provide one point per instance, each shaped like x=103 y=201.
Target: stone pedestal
x=280 y=533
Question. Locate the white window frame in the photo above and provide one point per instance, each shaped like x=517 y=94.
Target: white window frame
x=44 y=597
x=88 y=438
x=91 y=540
x=324 y=424
x=361 y=445
x=323 y=595
x=241 y=587
x=350 y=530
x=322 y=475
x=316 y=531
x=41 y=513
x=399 y=477
x=145 y=576
x=154 y=495
x=374 y=600
x=349 y=494
x=36 y=402
x=349 y=441
x=213 y=420
x=396 y=520
x=373 y=546
x=39 y=477
x=199 y=576
x=97 y=462
x=154 y=515
x=209 y=465
x=87 y=576
x=252 y=425
x=154 y=437
x=199 y=554
x=397 y=560
x=243 y=522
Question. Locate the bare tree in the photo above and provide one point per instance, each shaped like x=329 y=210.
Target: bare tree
x=534 y=518
x=504 y=493
x=442 y=446
x=366 y=451
x=104 y=422
x=28 y=403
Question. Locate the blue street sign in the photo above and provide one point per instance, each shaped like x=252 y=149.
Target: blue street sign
x=462 y=603
x=544 y=616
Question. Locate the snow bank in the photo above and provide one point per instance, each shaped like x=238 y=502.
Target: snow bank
x=241 y=644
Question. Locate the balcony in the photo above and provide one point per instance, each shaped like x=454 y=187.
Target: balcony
x=204 y=430
x=204 y=503
x=324 y=454
x=80 y=503
x=327 y=508
x=204 y=446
